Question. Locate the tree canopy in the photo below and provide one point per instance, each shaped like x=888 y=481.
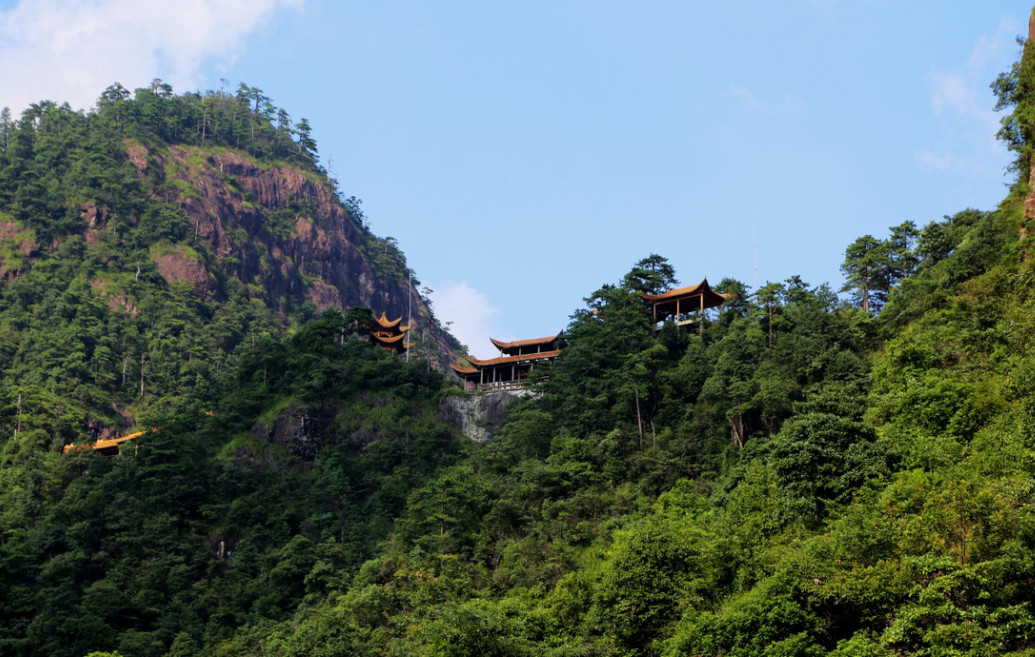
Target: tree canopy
x=798 y=478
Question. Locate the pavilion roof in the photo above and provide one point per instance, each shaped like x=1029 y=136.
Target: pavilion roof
x=394 y=341
x=688 y=291
x=106 y=443
x=460 y=369
x=479 y=363
x=666 y=301
x=386 y=323
x=516 y=344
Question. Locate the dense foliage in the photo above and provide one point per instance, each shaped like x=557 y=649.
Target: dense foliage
x=800 y=476
x=91 y=333
x=260 y=493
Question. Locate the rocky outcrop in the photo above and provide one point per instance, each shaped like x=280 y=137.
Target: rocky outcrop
x=477 y=415
x=279 y=230
x=300 y=430
x=178 y=266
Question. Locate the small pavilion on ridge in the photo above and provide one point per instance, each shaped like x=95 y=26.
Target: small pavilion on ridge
x=686 y=305
x=390 y=334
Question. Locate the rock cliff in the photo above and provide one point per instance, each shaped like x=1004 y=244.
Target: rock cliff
x=283 y=233
x=150 y=244
x=476 y=415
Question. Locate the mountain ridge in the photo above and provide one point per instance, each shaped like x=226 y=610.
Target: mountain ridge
x=159 y=226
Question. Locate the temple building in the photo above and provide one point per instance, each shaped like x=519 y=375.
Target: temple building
x=516 y=360
x=109 y=446
x=686 y=305
x=390 y=334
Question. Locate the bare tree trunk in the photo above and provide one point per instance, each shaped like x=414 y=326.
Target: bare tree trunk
x=639 y=419
x=736 y=429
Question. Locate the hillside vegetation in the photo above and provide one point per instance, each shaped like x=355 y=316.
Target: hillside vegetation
x=804 y=477
x=143 y=243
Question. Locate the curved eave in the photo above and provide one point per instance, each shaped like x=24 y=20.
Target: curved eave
x=384 y=322
x=478 y=363
x=700 y=291
x=690 y=290
x=106 y=443
x=503 y=346
x=388 y=340
x=460 y=369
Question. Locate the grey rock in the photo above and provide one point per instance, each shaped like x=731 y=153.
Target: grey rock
x=478 y=414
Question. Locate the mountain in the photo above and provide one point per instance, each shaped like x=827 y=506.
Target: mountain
x=800 y=475
x=144 y=242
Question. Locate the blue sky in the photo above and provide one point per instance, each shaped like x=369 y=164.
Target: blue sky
x=523 y=154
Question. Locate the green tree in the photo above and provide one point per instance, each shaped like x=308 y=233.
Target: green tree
x=769 y=297
x=652 y=275
x=1014 y=91
x=306 y=143
x=865 y=269
x=730 y=392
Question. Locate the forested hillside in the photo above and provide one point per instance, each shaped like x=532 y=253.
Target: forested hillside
x=143 y=243
x=805 y=476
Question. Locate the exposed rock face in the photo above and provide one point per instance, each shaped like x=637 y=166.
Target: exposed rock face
x=477 y=415
x=178 y=266
x=280 y=230
x=138 y=157
x=302 y=431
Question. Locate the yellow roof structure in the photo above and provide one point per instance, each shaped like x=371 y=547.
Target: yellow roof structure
x=519 y=358
x=517 y=344
x=685 y=299
x=108 y=446
x=389 y=333
x=477 y=362
x=385 y=323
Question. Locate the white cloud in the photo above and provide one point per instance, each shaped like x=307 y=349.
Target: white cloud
x=742 y=97
x=470 y=314
x=962 y=105
x=71 y=50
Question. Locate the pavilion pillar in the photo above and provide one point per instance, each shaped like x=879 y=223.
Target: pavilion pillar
x=700 y=324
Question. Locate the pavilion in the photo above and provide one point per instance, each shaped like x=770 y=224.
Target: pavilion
x=390 y=334
x=517 y=359
x=686 y=305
